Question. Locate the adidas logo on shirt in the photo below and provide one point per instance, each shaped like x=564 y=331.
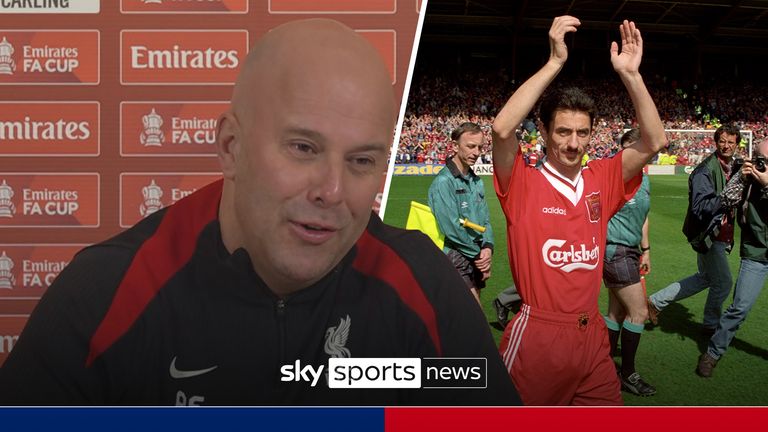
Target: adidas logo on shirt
x=553 y=210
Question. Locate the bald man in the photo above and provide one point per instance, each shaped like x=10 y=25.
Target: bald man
x=243 y=291
x=748 y=193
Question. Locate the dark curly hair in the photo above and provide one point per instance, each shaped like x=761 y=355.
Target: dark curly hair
x=569 y=98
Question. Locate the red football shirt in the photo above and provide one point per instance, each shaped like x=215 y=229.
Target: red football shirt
x=556 y=231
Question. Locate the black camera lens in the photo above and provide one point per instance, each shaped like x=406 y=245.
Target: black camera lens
x=759 y=163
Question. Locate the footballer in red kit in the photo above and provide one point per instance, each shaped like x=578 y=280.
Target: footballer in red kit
x=556 y=348
x=559 y=230
x=559 y=268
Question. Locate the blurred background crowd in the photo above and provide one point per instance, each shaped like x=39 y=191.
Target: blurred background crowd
x=439 y=101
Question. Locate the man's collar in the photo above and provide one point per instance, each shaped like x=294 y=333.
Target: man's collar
x=548 y=166
x=721 y=158
x=455 y=171
x=725 y=165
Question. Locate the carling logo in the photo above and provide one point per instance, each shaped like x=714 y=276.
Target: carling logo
x=49 y=128
x=181 y=56
x=571 y=257
x=49 y=6
x=49 y=57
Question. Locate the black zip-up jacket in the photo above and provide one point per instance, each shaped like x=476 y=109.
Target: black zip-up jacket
x=705 y=211
x=162 y=314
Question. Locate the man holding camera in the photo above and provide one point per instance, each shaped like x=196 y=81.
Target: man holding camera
x=708 y=227
x=748 y=193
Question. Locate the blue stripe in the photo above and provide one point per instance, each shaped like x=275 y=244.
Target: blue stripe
x=611 y=324
x=192 y=419
x=635 y=328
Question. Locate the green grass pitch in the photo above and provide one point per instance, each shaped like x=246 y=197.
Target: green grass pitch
x=668 y=352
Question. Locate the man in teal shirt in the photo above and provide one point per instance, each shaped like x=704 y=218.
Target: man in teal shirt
x=457 y=198
x=627 y=258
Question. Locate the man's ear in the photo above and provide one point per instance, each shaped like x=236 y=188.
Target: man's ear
x=228 y=145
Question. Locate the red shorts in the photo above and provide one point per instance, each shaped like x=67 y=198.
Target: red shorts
x=560 y=359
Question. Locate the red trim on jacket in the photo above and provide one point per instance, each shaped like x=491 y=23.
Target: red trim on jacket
x=378 y=260
x=158 y=259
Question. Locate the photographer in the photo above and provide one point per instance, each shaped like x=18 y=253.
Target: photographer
x=709 y=228
x=748 y=193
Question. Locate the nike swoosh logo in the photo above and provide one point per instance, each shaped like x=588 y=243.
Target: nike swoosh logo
x=175 y=373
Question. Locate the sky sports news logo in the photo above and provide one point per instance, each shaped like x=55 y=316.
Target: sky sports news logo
x=359 y=373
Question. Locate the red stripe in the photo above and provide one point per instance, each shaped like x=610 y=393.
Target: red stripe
x=560 y=419
x=378 y=260
x=157 y=260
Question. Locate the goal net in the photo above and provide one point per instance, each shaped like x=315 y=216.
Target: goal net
x=690 y=147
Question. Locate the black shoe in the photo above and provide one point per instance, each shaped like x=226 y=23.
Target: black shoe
x=637 y=385
x=501 y=313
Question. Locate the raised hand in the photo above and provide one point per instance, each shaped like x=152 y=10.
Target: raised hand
x=628 y=61
x=558 y=51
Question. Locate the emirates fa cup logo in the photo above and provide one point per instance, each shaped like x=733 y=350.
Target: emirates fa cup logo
x=6 y=277
x=152 y=195
x=7 y=65
x=7 y=209
x=152 y=136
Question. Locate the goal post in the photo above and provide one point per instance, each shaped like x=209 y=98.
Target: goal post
x=693 y=145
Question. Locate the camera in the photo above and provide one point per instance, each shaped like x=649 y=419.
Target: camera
x=737 y=164
x=758 y=161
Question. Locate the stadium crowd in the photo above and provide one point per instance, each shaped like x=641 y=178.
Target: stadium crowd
x=440 y=101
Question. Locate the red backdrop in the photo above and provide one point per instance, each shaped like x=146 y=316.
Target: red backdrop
x=94 y=135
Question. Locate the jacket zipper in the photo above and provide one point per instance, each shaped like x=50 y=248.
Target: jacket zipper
x=280 y=311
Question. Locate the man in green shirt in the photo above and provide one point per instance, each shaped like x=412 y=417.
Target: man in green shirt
x=627 y=258
x=457 y=198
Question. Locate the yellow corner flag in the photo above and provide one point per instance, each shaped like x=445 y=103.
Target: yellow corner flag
x=421 y=218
